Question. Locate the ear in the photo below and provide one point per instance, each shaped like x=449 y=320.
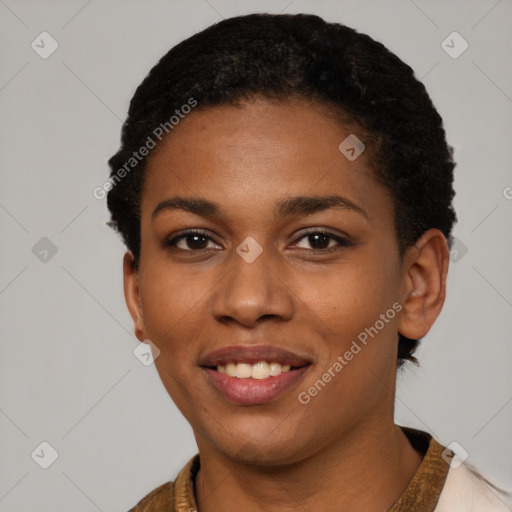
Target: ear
x=132 y=295
x=425 y=268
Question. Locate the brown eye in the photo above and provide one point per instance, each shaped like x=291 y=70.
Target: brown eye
x=324 y=241
x=319 y=240
x=190 y=241
x=195 y=241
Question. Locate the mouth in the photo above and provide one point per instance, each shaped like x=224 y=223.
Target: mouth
x=261 y=370
x=252 y=375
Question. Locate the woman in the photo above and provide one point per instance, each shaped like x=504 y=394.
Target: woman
x=284 y=190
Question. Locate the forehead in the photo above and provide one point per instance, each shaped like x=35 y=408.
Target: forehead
x=254 y=155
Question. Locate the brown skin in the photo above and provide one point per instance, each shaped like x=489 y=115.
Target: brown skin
x=341 y=451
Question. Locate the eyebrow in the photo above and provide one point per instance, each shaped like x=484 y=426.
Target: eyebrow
x=291 y=206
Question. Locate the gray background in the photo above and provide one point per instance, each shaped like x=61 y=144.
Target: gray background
x=68 y=373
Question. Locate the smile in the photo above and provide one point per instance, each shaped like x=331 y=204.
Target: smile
x=261 y=370
x=253 y=375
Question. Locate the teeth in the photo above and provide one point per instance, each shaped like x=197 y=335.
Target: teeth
x=243 y=370
x=231 y=369
x=260 y=370
x=275 y=369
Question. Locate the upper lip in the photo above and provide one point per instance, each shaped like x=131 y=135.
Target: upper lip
x=252 y=354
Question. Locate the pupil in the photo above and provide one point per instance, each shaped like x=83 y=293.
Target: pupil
x=198 y=241
x=324 y=241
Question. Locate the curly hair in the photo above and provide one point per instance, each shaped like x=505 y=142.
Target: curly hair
x=279 y=57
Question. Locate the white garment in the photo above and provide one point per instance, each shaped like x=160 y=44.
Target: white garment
x=465 y=491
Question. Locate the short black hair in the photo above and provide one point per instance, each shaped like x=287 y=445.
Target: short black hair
x=283 y=56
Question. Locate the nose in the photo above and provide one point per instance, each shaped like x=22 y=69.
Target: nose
x=252 y=291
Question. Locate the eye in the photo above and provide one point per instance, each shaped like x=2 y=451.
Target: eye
x=321 y=241
x=191 y=240
x=195 y=240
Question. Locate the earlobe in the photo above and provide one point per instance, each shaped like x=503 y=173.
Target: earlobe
x=132 y=295
x=425 y=268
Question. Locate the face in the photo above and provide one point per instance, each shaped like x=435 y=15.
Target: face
x=268 y=276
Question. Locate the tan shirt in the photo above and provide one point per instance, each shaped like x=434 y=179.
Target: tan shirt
x=421 y=495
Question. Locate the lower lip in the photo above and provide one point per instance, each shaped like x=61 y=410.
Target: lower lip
x=254 y=391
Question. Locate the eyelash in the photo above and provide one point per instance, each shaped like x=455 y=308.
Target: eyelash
x=342 y=242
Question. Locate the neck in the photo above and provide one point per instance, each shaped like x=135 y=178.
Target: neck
x=366 y=470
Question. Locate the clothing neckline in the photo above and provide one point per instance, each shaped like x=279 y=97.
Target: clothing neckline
x=421 y=494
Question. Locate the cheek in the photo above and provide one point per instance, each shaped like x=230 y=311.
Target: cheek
x=354 y=311
x=173 y=306
x=351 y=297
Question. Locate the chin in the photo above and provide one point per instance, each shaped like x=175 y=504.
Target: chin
x=256 y=456
x=262 y=450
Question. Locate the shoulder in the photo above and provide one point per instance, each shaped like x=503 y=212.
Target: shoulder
x=173 y=495
x=465 y=490
x=161 y=498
